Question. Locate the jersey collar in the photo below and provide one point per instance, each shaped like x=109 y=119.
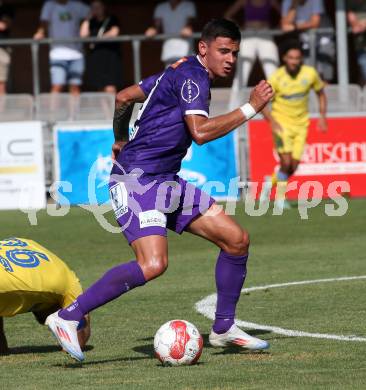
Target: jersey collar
x=199 y=60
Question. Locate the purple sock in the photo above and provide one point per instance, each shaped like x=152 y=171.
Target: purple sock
x=230 y=275
x=112 y=284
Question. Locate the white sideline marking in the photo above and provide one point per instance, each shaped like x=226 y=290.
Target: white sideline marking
x=207 y=307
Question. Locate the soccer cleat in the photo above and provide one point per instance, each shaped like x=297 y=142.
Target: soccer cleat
x=266 y=189
x=66 y=334
x=236 y=336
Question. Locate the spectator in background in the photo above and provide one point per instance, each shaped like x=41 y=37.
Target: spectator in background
x=300 y=16
x=6 y=16
x=173 y=17
x=257 y=17
x=61 y=19
x=357 y=19
x=103 y=71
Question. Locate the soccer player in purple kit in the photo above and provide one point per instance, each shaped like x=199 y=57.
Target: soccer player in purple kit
x=144 y=179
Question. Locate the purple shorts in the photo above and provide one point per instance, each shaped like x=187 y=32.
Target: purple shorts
x=148 y=205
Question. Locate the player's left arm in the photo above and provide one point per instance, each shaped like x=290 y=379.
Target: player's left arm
x=322 y=122
x=318 y=86
x=125 y=100
x=205 y=129
x=3 y=342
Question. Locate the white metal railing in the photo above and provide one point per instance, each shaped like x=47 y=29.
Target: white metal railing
x=91 y=106
x=136 y=41
x=51 y=108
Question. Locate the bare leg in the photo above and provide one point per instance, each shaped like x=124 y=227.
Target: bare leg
x=74 y=90
x=222 y=230
x=56 y=88
x=151 y=261
x=286 y=163
x=151 y=255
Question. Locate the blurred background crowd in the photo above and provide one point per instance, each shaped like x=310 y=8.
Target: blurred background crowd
x=108 y=65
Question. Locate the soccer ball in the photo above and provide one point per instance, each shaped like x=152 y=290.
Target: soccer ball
x=177 y=343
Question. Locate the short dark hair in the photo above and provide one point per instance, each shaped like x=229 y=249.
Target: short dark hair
x=292 y=44
x=220 y=28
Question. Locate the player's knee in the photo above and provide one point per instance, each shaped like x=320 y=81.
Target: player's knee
x=155 y=266
x=239 y=244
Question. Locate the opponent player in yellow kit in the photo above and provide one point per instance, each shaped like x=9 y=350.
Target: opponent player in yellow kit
x=33 y=279
x=289 y=117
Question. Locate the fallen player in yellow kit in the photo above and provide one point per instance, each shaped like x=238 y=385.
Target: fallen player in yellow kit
x=33 y=279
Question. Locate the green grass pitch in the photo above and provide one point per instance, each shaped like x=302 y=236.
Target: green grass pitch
x=284 y=249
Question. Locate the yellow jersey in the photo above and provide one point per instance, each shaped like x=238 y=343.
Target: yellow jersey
x=290 y=104
x=33 y=279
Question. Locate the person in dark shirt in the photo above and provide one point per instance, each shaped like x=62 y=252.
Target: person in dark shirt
x=6 y=16
x=357 y=19
x=104 y=61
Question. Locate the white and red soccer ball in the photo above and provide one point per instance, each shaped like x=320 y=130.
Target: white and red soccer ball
x=178 y=342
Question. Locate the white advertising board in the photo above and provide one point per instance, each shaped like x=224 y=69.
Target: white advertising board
x=22 y=177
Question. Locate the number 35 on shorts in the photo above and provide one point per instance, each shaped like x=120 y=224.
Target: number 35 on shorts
x=119 y=196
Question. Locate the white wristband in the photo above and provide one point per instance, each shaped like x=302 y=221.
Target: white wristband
x=248 y=110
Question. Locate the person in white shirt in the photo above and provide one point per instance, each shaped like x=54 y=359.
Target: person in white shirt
x=62 y=19
x=173 y=17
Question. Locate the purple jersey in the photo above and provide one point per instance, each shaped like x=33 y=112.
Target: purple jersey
x=160 y=137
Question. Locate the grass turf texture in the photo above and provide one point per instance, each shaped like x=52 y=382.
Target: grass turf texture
x=283 y=249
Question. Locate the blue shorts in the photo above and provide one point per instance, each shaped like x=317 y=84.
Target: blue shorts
x=149 y=205
x=67 y=72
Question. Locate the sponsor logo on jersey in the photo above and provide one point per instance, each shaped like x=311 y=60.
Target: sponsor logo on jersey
x=152 y=218
x=190 y=91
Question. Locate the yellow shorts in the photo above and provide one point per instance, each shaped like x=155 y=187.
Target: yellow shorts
x=291 y=140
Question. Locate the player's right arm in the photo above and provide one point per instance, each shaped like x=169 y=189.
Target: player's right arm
x=3 y=342
x=45 y=19
x=157 y=23
x=41 y=31
x=205 y=129
x=124 y=102
x=288 y=15
x=322 y=121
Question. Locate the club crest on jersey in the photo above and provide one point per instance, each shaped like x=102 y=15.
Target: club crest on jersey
x=190 y=91
x=118 y=195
